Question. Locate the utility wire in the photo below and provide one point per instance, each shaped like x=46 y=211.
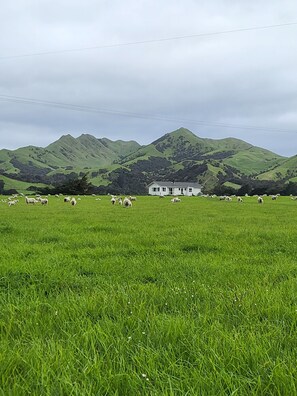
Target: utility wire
x=158 y=40
x=90 y=109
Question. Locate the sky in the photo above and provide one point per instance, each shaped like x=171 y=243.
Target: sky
x=137 y=69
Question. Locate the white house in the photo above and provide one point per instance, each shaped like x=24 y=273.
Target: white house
x=174 y=188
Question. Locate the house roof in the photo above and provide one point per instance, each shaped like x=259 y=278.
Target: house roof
x=176 y=184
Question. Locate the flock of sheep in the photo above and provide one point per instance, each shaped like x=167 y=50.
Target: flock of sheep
x=127 y=201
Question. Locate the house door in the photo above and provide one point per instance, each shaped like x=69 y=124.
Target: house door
x=170 y=190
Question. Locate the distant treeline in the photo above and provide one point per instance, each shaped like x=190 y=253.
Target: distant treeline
x=258 y=187
x=124 y=181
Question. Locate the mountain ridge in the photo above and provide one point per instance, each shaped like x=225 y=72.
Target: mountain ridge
x=179 y=155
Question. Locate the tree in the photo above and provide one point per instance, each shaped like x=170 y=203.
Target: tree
x=74 y=186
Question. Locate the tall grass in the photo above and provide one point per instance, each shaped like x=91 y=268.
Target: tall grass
x=195 y=298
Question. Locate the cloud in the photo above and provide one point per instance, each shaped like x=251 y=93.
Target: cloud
x=244 y=78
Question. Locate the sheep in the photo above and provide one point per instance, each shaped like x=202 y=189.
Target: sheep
x=120 y=201
x=175 y=199
x=228 y=199
x=67 y=199
x=239 y=199
x=127 y=202
x=73 y=201
x=10 y=203
x=260 y=200
x=274 y=197
x=43 y=201
x=30 y=201
x=113 y=200
x=132 y=198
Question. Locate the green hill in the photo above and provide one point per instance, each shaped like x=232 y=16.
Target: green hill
x=286 y=170
x=128 y=166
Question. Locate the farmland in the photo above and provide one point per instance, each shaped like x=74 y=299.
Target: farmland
x=194 y=298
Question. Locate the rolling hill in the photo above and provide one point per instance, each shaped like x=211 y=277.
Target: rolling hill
x=126 y=166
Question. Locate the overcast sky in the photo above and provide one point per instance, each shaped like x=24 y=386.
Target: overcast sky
x=241 y=84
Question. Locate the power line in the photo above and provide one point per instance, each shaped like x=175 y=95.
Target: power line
x=158 y=40
x=158 y=117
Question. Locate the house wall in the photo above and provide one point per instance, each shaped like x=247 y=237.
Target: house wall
x=156 y=189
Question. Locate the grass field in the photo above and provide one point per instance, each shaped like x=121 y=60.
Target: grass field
x=194 y=298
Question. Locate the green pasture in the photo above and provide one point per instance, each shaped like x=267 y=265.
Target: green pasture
x=193 y=298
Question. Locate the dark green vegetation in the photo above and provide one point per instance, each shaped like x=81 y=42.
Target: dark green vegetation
x=126 y=167
x=196 y=298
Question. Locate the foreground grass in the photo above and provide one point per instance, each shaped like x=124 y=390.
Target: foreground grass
x=197 y=298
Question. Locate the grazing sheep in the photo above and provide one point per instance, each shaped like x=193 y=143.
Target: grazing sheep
x=67 y=199
x=175 y=199
x=127 y=202
x=132 y=198
x=260 y=200
x=274 y=197
x=30 y=201
x=73 y=201
x=113 y=200
x=120 y=201
x=43 y=201
x=228 y=199
x=239 y=199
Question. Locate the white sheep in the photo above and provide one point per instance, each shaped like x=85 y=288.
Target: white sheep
x=43 y=201
x=175 y=199
x=113 y=200
x=73 y=201
x=10 y=203
x=67 y=199
x=239 y=199
x=30 y=201
x=127 y=202
x=132 y=198
x=260 y=200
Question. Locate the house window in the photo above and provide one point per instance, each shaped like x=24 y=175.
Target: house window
x=190 y=189
x=164 y=188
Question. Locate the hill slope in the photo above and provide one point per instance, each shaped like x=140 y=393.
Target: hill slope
x=128 y=166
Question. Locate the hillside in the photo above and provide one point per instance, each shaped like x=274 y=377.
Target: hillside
x=123 y=166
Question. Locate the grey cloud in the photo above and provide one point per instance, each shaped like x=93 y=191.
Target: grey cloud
x=245 y=78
